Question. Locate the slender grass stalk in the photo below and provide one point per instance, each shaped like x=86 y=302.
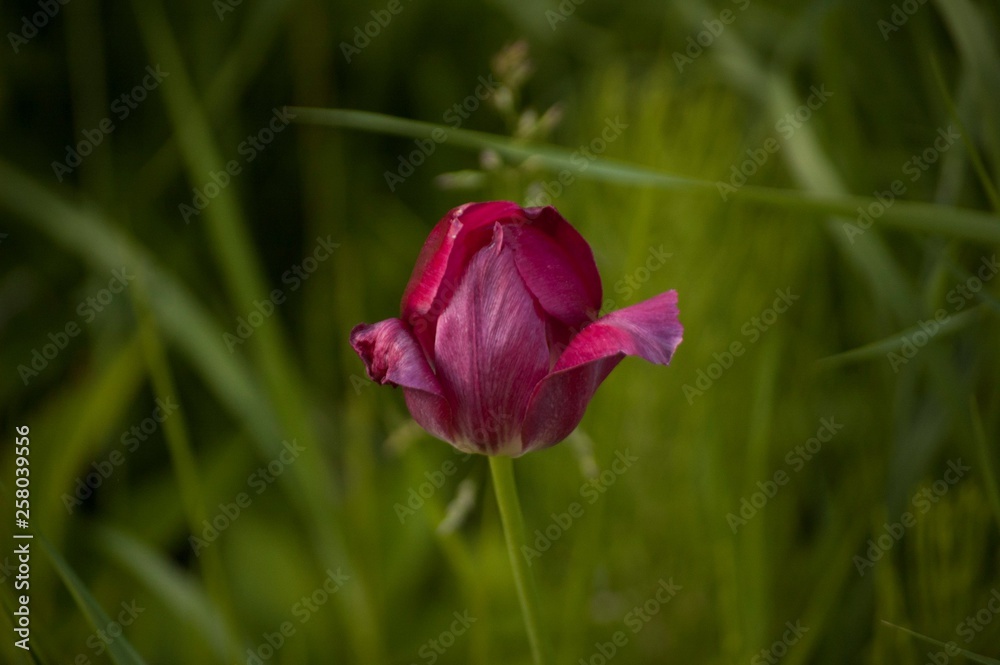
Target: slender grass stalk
x=235 y=254
x=502 y=469
x=982 y=452
x=912 y=216
x=183 y=458
x=120 y=651
x=930 y=640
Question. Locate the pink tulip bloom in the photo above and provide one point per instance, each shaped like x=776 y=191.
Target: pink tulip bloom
x=499 y=347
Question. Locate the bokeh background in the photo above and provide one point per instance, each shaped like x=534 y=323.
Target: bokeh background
x=819 y=459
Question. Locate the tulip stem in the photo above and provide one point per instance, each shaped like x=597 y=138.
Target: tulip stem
x=502 y=469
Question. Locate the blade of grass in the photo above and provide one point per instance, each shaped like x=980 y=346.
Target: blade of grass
x=89 y=235
x=120 y=649
x=975 y=38
x=229 y=239
x=893 y=343
x=910 y=216
x=84 y=417
x=752 y=547
x=323 y=169
x=231 y=244
x=182 y=456
x=833 y=580
x=809 y=164
x=816 y=172
x=85 y=60
x=456 y=551
x=985 y=463
x=177 y=588
x=243 y=62
x=970 y=146
x=968 y=654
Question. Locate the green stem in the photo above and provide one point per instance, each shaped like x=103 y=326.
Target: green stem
x=502 y=469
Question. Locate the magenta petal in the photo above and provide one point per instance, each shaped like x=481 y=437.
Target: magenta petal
x=392 y=355
x=649 y=329
x=442 y=260
x=491 y=350
x=557 y=265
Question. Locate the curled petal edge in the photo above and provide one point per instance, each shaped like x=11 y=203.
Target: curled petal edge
x=393 y=356
x=650 y=330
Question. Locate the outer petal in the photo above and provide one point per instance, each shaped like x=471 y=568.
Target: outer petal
x=392 y=355
x=491 y=350
x=442 y=261
x=557 y=265
x=649 y=329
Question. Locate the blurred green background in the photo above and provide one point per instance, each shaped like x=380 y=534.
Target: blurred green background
x=214 y=480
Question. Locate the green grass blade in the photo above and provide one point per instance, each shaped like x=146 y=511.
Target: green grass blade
x=892 y=344
x=229 y=239
x=985 y=461
x=182 y=457
x=89 y=235
x=234 y=253
x=86 y=417
x=119 y=649
x=975 y=38
x=752 y=546
x=223 y=92
x=971 y=148
x=176 y=588
x=968 y=654
x=917 y=217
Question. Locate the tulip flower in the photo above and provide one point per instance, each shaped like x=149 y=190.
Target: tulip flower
x=499 y=346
